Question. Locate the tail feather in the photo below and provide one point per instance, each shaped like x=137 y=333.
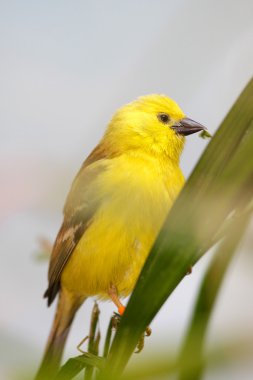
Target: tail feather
x=66 y=309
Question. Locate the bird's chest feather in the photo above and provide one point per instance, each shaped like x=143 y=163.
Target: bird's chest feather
x=141 y=191
x=137 y=195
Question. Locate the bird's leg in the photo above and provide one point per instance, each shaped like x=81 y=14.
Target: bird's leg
x=113 y=294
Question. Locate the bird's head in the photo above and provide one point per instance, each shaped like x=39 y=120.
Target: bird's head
x=152 y=123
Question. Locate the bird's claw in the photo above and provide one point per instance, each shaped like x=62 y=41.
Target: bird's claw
x=140 y=345
x=116 y=320
x=148 y=331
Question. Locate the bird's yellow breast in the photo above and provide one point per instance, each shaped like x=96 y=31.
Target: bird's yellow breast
x=137 y=192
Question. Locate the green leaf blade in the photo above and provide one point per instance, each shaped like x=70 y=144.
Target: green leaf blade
x=187 y=230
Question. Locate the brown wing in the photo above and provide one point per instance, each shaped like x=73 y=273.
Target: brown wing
x=82 y=203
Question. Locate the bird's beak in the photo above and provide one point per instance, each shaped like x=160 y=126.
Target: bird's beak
x=187 y=126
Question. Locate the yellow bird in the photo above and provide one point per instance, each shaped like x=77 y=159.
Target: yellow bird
x=114 y=211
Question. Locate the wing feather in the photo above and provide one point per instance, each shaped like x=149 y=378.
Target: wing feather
x=81 y=205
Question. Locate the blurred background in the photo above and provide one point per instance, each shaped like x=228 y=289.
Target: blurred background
x=65 y=67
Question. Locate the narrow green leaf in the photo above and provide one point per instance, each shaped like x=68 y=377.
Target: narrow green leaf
x=94 y=338
x=194 y=342
x=108 y=337
x=164 y=365
x=75 y=365
x=89 y=360
x=194 y=220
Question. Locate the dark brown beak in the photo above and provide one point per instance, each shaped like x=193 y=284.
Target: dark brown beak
x=187 y=126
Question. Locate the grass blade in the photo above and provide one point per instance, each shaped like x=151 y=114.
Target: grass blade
x=187 y=229
x=194 y=342
x=75 y=365
x=94 y=338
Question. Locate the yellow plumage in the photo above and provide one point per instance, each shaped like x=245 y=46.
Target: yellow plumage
x=114 y=211
x=141 y=181
x=114 y=247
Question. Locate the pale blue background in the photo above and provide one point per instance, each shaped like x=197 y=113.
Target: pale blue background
x=65 y=67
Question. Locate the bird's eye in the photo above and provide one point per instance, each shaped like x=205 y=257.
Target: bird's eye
x=164 y=118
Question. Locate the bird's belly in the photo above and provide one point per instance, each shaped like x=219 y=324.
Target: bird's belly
x=115 y=245
x=114 y=248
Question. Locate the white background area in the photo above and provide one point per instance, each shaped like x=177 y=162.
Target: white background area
x=65 y=67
